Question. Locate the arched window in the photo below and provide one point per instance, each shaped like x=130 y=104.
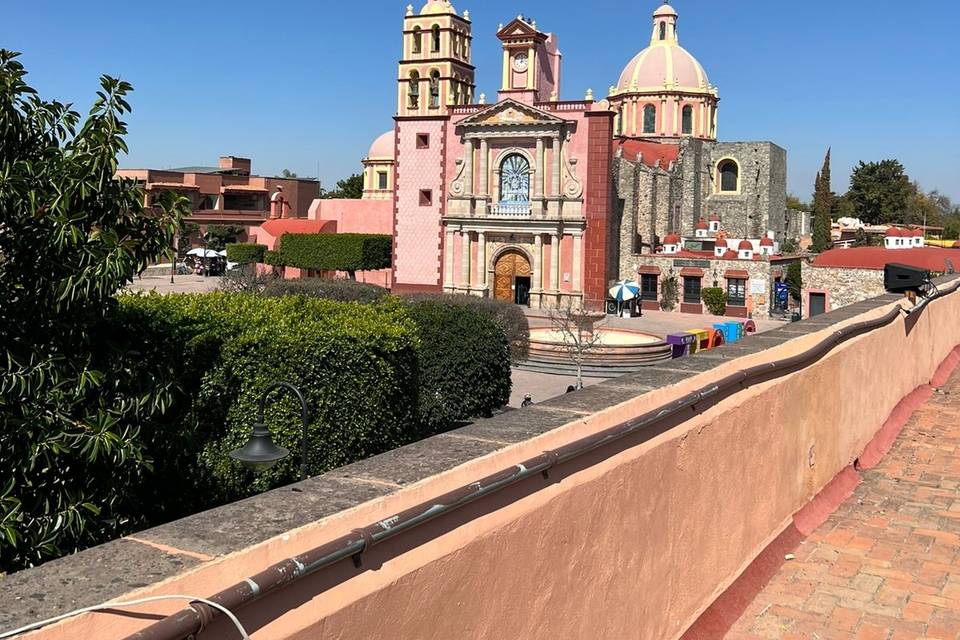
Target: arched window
x=434 y=89
x=435 y=39
x=417 y=40
x=663 y=30
x=414 y=91
x=729 y=176
x=622 y=120
x=688 y=120
x=515 y=179
x=649 y=119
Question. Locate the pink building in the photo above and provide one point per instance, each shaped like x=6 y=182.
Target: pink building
x=227 y=193
x=543 y=201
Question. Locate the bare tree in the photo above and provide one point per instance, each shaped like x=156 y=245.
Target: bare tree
x=577 y=331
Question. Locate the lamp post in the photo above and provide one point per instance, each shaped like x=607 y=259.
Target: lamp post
x=260 y=453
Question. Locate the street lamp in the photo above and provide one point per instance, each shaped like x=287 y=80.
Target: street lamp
x=260 y=453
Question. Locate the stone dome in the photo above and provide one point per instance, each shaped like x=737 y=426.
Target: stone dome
x=664 y=65
x=383 y=148
x=672 y=238
x=766 y=242
x=746 y=245
x=434 y=7
x=702 y=225
x=721 y=243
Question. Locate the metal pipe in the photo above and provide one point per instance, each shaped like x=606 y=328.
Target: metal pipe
x=192 y=620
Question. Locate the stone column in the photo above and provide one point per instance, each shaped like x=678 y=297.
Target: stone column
x=555 y=262
x=577 y=257
x=484 y=168
x=448 y=278
x=557 y=159
x=541 y=171
x=468 y=168
x=531 y=69
x=465 y=261
x=482 y=259
x=537 y=285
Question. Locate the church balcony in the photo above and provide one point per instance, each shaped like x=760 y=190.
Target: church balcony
x=510 y=209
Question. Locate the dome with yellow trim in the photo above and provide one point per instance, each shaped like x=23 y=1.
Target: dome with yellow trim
x=435 y=7
x=664 y=64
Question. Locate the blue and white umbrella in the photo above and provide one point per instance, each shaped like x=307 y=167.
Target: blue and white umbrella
x=625 y=290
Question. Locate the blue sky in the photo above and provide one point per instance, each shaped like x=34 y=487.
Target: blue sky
x=308 y=83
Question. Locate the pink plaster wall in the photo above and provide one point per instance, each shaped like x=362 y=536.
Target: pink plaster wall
x=355 y=216
x=633 y=543
x=417 y=229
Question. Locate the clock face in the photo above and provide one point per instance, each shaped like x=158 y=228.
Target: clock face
x=520 y=62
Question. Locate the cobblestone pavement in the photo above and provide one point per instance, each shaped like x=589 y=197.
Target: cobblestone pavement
x=886 y=564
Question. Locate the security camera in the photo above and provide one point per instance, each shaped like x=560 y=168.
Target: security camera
x=914 y=283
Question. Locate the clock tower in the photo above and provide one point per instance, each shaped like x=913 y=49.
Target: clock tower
x=531 y=63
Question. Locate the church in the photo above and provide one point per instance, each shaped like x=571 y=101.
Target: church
x=543 y=201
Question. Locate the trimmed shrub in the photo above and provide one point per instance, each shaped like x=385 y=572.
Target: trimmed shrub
x=338 y=290
x=272 y=258
x=350 y=252
x=246 y=253
x=716 y=300
x=464 y=363
x=357 y=367
x=510 y=317
x=669 y=293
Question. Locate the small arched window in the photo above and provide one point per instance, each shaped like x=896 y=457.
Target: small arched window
x=435 y=39
x=649 y=119
x=663 y=30
x=729 y=176
x=515 y=179
x=688 y=120
x=417 y=40
x=434 y=89
x=414 y=90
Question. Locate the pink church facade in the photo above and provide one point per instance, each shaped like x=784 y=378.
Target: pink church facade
x=537 y=200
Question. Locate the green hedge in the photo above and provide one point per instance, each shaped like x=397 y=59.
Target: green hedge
x=272 y=258
x=339 y=290
x=510 y=317
x=337 y=252
x=357 y=367
x=246 y=253
x=464 y=363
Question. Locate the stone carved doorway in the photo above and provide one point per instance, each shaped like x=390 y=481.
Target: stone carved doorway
x=512 y=278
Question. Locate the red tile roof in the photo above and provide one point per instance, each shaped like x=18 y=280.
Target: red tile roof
x=930 y=258
x=278 y=227
x=651 y=152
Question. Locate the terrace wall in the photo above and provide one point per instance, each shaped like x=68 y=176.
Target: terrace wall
x=633 y=540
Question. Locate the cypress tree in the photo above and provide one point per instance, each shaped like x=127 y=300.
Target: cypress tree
x=822 y=205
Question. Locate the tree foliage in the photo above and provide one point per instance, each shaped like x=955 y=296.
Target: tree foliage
x=880 y=192
x=822 y=209
x=715 y=299
x=220 y=235
x=794 y=280
x=72 y=412
x=347 y=189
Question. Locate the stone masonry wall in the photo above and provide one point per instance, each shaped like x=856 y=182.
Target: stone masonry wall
x=843 y=286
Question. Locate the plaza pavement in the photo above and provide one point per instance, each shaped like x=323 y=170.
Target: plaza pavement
x=886 y=564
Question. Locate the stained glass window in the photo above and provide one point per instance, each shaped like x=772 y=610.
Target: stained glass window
x=515 y=179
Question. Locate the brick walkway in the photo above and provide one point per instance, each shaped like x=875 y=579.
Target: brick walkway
x=886 y=565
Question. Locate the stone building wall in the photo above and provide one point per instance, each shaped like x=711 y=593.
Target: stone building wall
x=843 y=286
x=763 y=273
x=758 y=207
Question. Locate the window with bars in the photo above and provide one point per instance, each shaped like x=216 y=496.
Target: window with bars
x=691 y=289
x=649 y=286
x=736 y=292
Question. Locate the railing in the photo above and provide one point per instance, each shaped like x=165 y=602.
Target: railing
x=467 y=109
x=510 y=209
x=567 y=105
x=359 y=541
